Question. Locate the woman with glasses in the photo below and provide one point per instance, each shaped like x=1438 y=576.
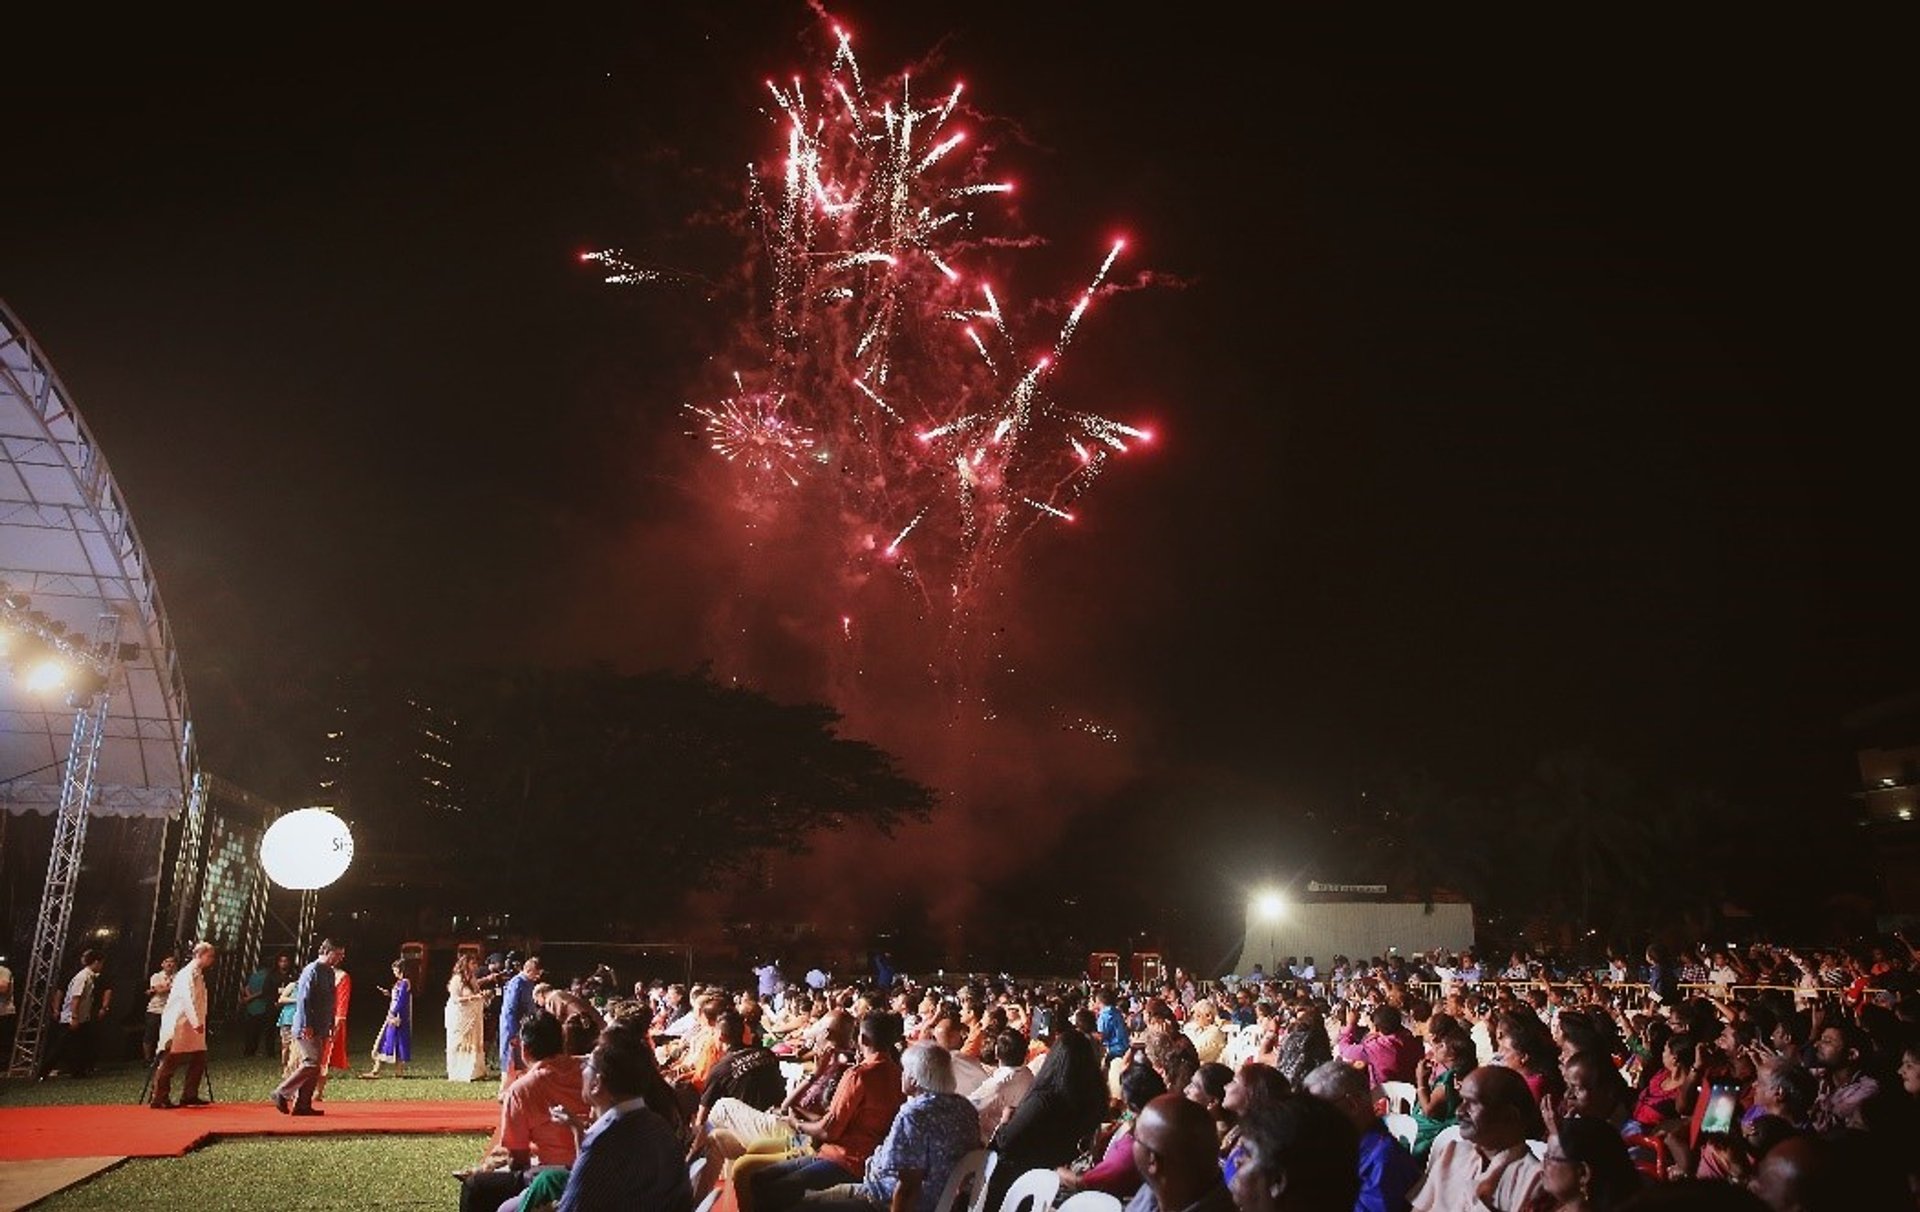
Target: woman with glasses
x=1586 y=1167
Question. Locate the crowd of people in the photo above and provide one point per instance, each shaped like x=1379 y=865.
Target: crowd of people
x=1753 y=1078
x=1758 y=1077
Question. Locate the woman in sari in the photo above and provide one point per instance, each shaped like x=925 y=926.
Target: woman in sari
x=466 y=1024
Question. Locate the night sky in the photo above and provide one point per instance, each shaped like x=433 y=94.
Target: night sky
x=1520 y=383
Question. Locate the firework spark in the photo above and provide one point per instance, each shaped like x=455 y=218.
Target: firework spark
x=751 y=431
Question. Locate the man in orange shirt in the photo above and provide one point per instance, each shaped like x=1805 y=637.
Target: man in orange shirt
x=530 y=1138
x=855 y=1123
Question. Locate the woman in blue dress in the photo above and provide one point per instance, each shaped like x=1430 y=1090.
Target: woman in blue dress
x=395 y=1045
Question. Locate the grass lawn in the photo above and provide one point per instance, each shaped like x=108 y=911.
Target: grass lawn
x=277 y=1173
x=286 y=1173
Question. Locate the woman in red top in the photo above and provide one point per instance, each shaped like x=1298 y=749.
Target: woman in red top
x=1656 y=1105
x=337 y=1045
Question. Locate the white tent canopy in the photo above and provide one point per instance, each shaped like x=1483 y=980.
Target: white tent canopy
x=67 y=542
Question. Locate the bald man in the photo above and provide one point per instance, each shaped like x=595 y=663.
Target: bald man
x=1829 y=1174
x=1176 y=1148
x=1489 y=1166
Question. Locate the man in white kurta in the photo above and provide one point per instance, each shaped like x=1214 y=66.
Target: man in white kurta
x=183 y=1033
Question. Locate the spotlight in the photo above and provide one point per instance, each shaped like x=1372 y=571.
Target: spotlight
x=1271 y=906
x=48 y=673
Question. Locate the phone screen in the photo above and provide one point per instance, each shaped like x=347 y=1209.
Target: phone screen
x=1723 y=1103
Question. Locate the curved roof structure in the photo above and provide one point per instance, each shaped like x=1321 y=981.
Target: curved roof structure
x=68 y=544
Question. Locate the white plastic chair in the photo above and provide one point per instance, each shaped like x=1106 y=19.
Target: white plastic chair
x=1401 y=1096
x=1402 y=1127
x=1090 y=1201
x=697 y=1176
x=1447 y=1134
x=1538 y=1148
x=706 y=1205
x=1032 y=1191
x=976 y=1167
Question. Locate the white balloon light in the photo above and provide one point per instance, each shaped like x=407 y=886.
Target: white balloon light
x=306 y=848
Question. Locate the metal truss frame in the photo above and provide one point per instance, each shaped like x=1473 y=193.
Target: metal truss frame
x=63 y=872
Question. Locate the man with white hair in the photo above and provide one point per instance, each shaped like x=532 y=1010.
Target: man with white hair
x=931 y=1132
x=183 y=1034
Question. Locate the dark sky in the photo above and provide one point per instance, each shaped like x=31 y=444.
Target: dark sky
x=1523 y=380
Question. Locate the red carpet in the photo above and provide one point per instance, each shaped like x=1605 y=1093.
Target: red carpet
x=29 y=1133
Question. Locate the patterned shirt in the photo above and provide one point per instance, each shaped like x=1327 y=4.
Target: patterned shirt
x=931 y=1133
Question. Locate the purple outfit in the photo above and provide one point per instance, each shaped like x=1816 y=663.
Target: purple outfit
x=1388 y=1057
x=396 y=1038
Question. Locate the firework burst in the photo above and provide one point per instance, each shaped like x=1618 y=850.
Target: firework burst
x=889 y=378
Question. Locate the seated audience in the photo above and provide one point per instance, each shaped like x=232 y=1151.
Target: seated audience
x=1386 y=1171
x=1489 y=1166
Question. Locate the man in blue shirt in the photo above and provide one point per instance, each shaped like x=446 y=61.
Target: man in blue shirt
x=312 y=1027
x=1387 y=1170
x=516 y=1007
x=1111 y=1024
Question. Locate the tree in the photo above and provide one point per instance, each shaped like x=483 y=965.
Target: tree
x=601 y=797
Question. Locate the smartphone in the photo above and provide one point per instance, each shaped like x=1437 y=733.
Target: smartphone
x=1723 y=1104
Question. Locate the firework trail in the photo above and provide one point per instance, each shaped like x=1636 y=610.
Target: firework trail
x=886 y=380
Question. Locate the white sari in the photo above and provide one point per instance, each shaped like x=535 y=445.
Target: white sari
x=466 y=1031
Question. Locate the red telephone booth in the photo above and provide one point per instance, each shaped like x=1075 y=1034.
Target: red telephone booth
x=1103 y=967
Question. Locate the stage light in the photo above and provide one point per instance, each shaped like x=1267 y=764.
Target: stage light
x=307 y=848
x=1271 y=906
x=48 y=673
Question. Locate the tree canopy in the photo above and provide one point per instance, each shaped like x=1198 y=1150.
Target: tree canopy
x=615 y=793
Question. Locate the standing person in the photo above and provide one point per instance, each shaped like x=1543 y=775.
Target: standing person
x=395 y=1045
x=283 y=1019
x=158 y=986
x=71 y=1042
x=313 y=1003
x=516 y=1006
x=768 y=979
x=257 y=994
x=183 y=1033
x=9 y=1019
x=466 y=1017
x=337 y=1038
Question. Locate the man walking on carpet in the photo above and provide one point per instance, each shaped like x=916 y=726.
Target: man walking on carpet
x=312 y=1027
x=183 y=1033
